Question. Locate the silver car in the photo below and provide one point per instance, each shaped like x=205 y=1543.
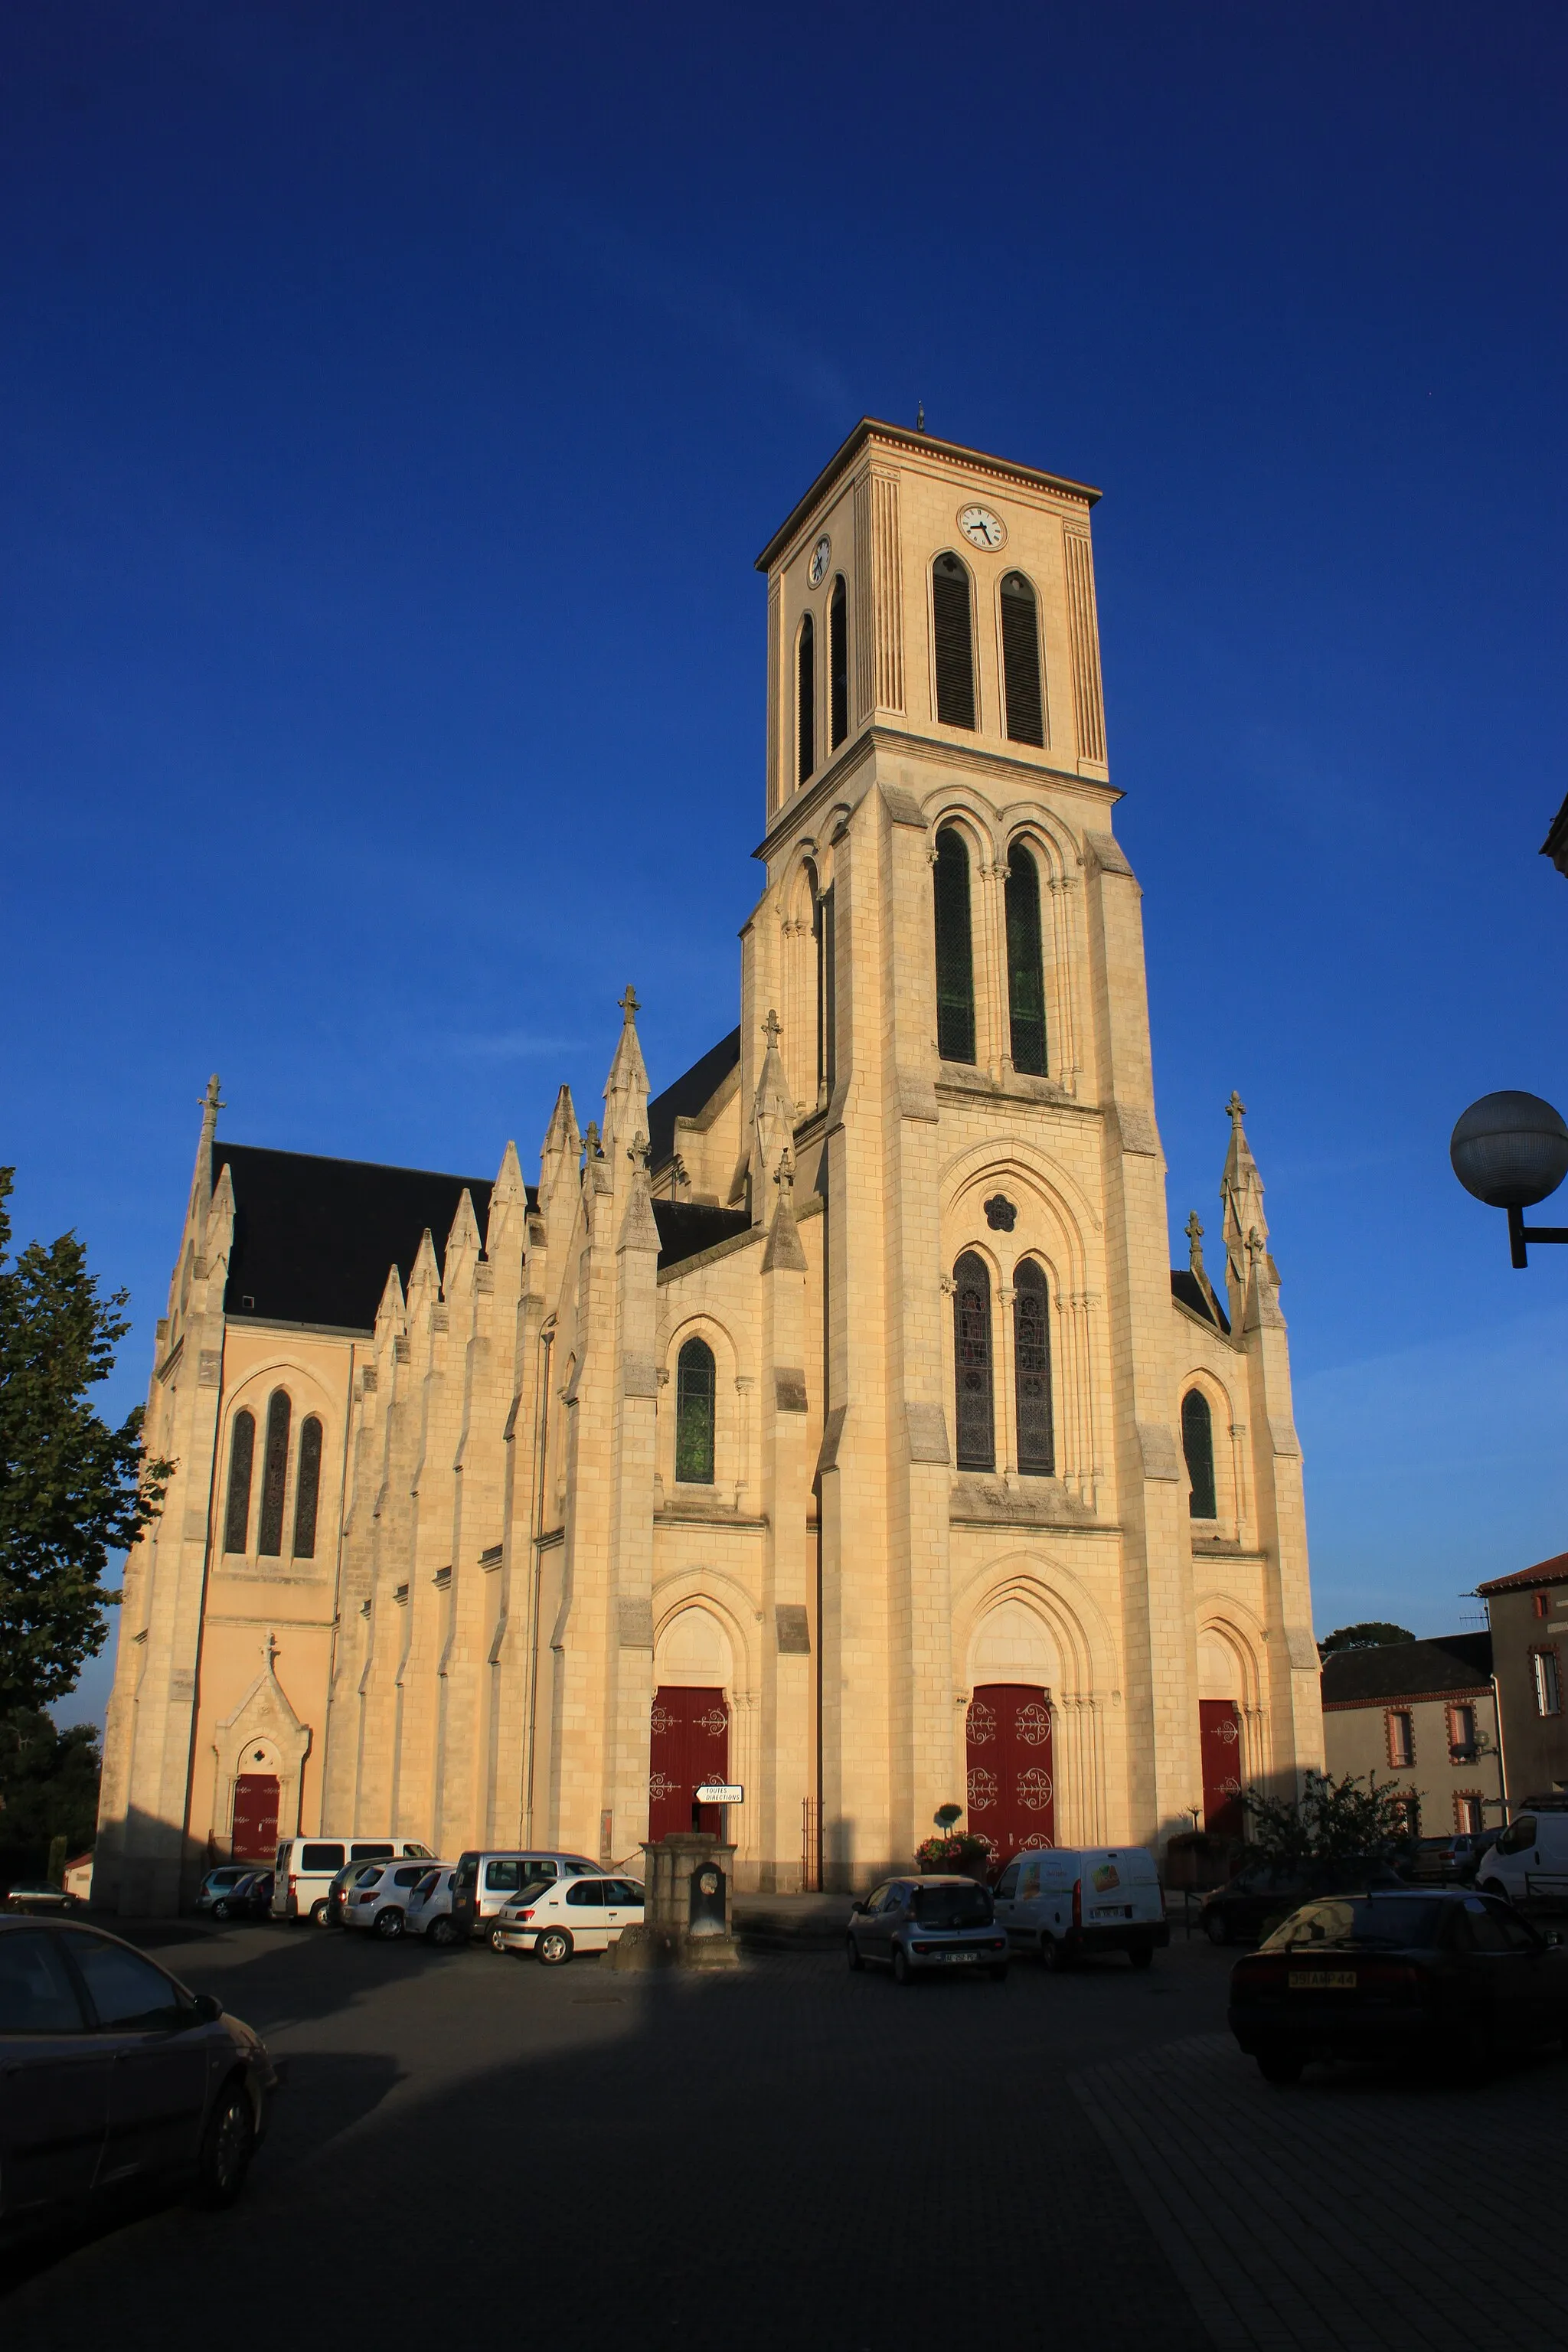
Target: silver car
x=928 y=1927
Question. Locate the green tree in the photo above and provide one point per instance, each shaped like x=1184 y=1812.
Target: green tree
x=72 y=1490
x=1374 y=1635
x=1331 y=1820
x=48 y=1788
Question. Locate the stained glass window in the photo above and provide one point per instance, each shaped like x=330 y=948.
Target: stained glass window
x=953 y=637
x=241 y=1454
x=1021 y=661
x=805 y=702
x=307 y=1488
x=274 y=1475
x=1026 y=970
x=838 y=663
x=1197 y=1445
x=954 y=950
x=1032 y=1370
x=972 y=1360
x=694 y=1392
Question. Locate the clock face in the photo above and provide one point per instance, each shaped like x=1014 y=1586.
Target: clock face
x=821 y=557
x=981 y=528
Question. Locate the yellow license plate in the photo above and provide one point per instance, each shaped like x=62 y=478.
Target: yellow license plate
x=1322 y=1980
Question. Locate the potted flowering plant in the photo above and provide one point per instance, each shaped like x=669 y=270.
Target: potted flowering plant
x=953 y=1850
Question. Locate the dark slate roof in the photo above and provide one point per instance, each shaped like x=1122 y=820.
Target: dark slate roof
x=313 y=1238
x=1184 y=1286
x=1545 y=1572
x=1407 y=1670
x=690 y=1093
x=686 y=1226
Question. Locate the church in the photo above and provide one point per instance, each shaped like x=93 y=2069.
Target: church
x=830 y=1423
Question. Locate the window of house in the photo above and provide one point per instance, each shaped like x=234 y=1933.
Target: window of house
x=1401 y=1738
x=241 y=1456
x=1470 y=1816
x=1461 y=1733
x=274 y=1475
x=805 y=701
x=695 y=1387
x=1197 y=1445
x=838 y=663
x=1539 y=1603
x=1021 y=661
x=952 y=626
x=954 y=949
x=973 y=1412
x=1032 y=1370
x=1548 y=1683
x=1025 y=965
x=307 y=1488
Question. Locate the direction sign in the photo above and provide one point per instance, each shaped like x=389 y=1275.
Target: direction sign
x=721 y=1793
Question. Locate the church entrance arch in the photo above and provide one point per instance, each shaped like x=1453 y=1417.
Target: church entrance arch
x=1220 y=1735
x=689 y=1743
x=1011 y=1789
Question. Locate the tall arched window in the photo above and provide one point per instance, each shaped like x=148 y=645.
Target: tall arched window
x=1197 y=1445
x=694 y=1392
x=952 y=631
x=1032 y=1370
x=1021 y=661
x=954 y=949
x=827 y=987
x=971 y=1361
x=241 y=1454
x=307 y=1488
x=274 y=1475
x=838 y=663
x=805 y=701
x=1026 y=970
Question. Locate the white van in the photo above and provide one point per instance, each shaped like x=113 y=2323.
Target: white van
x=1529 y=1861
x=1066 y=1901
x=306 y=1868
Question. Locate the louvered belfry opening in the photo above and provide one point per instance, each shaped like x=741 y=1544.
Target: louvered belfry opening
x=954 y=950
x=953 y=631
x=274 y=1475
x=1021 y=661
x=838 y=663
x=1026 y=967
x=1197 y=1445
x=805 y=702
x=1032 y=1370
x=971 y=1361
x=241 y=1454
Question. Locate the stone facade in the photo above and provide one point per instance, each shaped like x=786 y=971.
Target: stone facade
x=531 y=1528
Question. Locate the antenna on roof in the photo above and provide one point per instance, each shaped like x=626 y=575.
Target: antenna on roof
x=919 y=416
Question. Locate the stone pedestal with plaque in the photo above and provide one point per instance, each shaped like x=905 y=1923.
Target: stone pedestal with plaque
x=688 y=1879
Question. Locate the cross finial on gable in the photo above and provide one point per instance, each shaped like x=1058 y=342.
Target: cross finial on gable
x=591 y=1144
x=1195 y=1234
x=773 y=1027
x=269 y=1650
x=636 y=1150
x=630 y=1004
x=783 y=1175
x=1255 y=1243
x=212 y=1100
x=1236 y=1108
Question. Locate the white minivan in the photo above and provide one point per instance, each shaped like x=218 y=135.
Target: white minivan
x=306 y=1868
x=1529 y=1861
x=1066 y=1902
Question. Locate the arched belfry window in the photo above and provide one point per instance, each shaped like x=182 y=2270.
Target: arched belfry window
x=1032 y=1370
x=827 y=982
x=954 y=949
x=838 y=663
x=1197 y=1445
x=973 y=1412
x=241 y=1455
x=805 y=701
x=694 y=1394
x=1026 y=966
x=1021 y=661
x=274 y=1475
x=952 y=635
x=307 y=1488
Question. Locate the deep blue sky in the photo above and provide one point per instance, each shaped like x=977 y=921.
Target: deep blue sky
x=392 y=399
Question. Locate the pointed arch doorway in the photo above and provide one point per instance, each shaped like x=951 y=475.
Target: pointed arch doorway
x=689 y=1723
x=1011 y=1789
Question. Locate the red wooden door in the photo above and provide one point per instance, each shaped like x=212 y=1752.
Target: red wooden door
x=689 y=1742
x=1219 y=1731
x=255 y=1817
x=1012 y=1801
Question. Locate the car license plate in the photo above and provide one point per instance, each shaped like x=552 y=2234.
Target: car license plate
x=1322 y=1980
x=949 y=1958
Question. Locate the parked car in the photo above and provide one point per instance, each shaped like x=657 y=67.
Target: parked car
x=252 y=1898
x=921 y=1926
x=40 y=1895
x=380 y=1896
x=1387 y=1974
x=1263 y=1895
x=112 y=2071
x=1067 y=1903
x=1446 y=1861
x=219 y=1883
x=306 y=1868
x=555 y=1917
x=1528 y=1862
x=341 y=1888
x=430 y=1907
x=482 y=1884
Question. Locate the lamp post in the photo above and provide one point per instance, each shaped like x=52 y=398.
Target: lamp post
x=1510 y=1150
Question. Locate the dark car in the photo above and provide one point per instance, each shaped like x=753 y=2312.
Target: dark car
x=1264 y=1894
x=342 y=1884
x=113 y=2074
x=249 y=1898
x=1446 y=1861
x=41 y=1895
x=920 y=1926
x=1403 y=1974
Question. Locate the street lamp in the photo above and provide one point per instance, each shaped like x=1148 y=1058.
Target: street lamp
x=1510 y=1150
